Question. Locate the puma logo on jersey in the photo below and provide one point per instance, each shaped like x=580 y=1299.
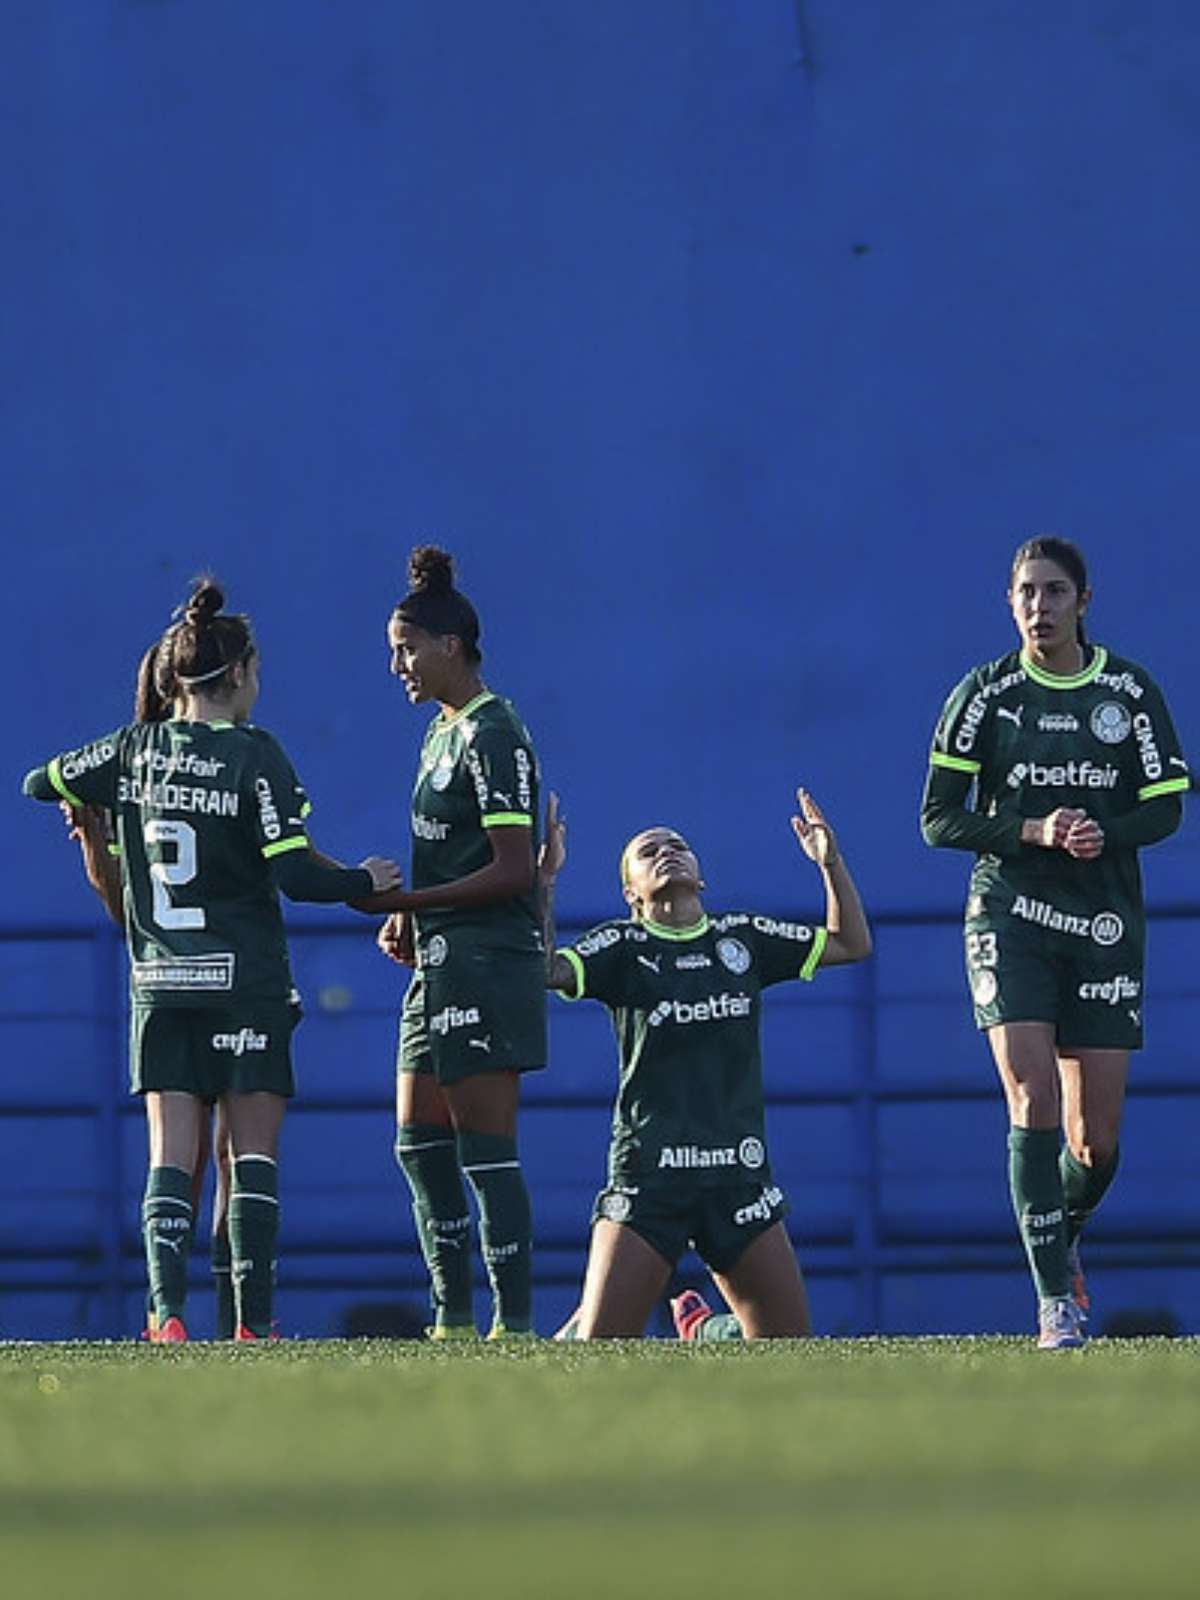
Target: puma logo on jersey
x=651 y=962
x=1013 y=716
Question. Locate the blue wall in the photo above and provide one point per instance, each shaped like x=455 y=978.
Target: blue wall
x=732 y=346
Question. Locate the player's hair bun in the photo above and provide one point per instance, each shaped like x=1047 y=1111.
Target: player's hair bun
x=205 y=600
x=430 y=570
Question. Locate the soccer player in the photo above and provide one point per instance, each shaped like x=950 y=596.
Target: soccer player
x=688 y=1161
x=210 y=826
x=92 y=828
x=474 y=1015
x=1074 y=765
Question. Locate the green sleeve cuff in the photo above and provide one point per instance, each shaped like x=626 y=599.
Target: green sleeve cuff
x=300 y=842
x=1167 y=786
x=577 y=967
x=507 y=819
x=953 y=763
x=54 y=773
x=809 y=969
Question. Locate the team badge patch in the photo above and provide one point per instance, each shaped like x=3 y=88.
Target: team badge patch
x=615 y=1206
x=751 y=1153
x=733 y=954
x=441 y=775
x=436 y=951
x=1107 y=928
x=1110 y=722
x=984 y=986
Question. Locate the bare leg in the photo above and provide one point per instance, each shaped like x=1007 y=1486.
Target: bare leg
x=173 y=1127
x=625 y=1277
x=1026 y=1060
x=764 y=1288
x=1093 y=1099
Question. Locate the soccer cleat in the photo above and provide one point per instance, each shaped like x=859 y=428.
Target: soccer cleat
x=450 y=1332
x=244 y=1335
x=689 y=1310
x=498 y=1333
x=171 y=1332
x=1078 y=1282
x=1060 y=1324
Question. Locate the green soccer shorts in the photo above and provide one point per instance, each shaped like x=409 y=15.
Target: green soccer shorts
x=473 y=1008
x=718 y=1222
x=1032 y=960
x=209 y=1051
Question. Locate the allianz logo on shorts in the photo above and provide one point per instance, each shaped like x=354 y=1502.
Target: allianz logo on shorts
x=1068 y=775
x=1105 y=928
x=760 y=1210
x=696 y=1157
x=717 y=1008
x=1113 y=990
x=454 y=1017
x=238 y=1044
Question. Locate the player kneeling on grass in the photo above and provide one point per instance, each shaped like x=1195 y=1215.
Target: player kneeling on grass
x=688 y=1161
x=210 y=823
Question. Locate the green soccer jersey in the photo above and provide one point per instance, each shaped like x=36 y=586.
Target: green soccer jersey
x=1029 y=742
x=200 y=810
x=685 y=1009
x=477 y=771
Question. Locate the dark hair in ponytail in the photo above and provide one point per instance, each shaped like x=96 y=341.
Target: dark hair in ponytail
x=153 y=701
x=1064 y=554
x=434 y=604
x=203 y=644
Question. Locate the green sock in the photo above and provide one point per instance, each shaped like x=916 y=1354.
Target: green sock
x=221 y=1262
x=505 y=1224
x=1084 y=1188
x=166 y=1233
x=253 y=1230
x=1037 y=1197
x=428 y=1157
x=721 y=1327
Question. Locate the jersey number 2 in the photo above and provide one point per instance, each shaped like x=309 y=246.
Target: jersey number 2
x=160 y=831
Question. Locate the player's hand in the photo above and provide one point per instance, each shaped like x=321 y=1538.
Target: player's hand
x=817 y=838
x=1051 y=832
x=553 y=854
x=84 y=823
x=395 y=939
x=385 y=874
x=1085 y=839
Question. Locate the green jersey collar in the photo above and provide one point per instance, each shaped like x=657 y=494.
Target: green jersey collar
x=1052 y=680
x=661 y=932
x=444 y=721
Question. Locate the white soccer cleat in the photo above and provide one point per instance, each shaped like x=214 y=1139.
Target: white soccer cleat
x=1060 y=1324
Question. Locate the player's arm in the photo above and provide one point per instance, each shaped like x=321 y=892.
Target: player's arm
x=560 y=974
x=302 y=873
x=1163 y=782
x=88 y=826
x=847 y=932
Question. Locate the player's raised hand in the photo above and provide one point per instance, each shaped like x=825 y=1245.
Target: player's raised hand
x=817 y=838
x=553 y=854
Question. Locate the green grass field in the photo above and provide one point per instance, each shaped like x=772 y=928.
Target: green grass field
x=920 y=1468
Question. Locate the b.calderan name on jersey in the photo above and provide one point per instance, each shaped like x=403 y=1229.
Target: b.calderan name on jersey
x=177 y=797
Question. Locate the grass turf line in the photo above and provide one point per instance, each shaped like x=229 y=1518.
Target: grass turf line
x=852 y=1468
